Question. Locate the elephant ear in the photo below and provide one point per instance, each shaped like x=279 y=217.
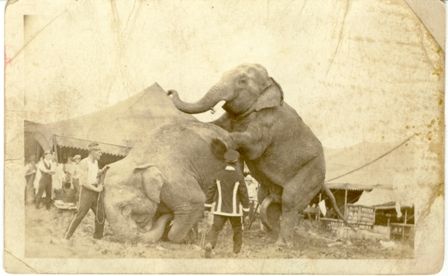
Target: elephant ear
x=218 y=148
x=272 y=96
x=151 y=180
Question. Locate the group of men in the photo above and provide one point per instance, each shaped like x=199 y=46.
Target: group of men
x=46 y=171
x=84 y=176
x=228 y=196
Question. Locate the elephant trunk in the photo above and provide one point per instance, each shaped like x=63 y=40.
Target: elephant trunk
x=157 y=229
x=126 y=229
x=214 y=95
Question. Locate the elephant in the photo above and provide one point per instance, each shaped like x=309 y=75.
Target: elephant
x=280 y=150
x=157 y=190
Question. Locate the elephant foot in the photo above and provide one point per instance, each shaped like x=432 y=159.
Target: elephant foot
x=270 y=213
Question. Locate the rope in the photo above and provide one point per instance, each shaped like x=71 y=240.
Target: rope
x=98 y=201
x=374 y=160
x=97 y=209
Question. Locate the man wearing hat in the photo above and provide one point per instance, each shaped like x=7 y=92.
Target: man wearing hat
x=229 y=193
x=90 y=193
x=46 y=169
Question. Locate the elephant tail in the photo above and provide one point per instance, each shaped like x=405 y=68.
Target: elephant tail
x=335 y=205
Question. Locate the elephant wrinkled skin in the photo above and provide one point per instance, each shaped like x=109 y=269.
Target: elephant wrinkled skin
x=163 y=179
x=280 y=150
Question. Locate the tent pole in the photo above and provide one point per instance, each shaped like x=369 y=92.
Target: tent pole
x=406 y=216
x=345 y=203
x=55 y=146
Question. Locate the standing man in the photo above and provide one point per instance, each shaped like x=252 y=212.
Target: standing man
x=75 y=174
x=229 y=192
x=90 y=193
x=252 y=188
x=30 y=175
x=47 y=170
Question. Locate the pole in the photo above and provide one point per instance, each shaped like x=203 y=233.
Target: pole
x=345 y=203
x=55 y=146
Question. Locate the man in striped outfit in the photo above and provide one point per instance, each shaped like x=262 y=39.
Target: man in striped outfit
x=229 y=193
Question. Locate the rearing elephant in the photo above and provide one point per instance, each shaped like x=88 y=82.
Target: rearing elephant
x=280 y=150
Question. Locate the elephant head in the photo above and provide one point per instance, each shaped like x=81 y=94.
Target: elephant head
x=131 y=202
x=244 y=89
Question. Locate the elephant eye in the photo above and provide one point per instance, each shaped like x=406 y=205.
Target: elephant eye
x=242 y=81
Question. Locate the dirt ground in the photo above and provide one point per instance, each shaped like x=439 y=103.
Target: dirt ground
x=45 y=230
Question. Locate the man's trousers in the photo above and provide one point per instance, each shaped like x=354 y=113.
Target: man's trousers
x=218 y=223
x=88 y=200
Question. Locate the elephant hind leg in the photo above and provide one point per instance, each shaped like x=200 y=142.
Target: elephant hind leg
x=297 y=194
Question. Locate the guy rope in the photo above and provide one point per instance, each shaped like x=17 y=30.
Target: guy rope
x=374 y=160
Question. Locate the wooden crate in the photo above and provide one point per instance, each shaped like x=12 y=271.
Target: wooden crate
x=332 y=224
x=401 y=231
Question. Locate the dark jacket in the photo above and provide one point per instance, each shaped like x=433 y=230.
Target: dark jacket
x=229 y=193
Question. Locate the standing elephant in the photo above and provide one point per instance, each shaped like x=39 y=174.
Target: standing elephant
x=280 y=150
x=163 y=179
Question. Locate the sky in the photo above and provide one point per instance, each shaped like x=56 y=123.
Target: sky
x=355 y=71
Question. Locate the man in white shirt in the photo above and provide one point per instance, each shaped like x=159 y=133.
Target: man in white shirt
x=74 y=173
x=47 y=170
x=30 y=175
x=90 y=193
x=252 y=188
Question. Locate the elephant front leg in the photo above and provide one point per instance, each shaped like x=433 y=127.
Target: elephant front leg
x=253 y=142
x=185 y=218
x=188 y=208
x=297 y=194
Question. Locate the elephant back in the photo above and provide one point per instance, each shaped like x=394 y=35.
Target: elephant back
x=175 y=144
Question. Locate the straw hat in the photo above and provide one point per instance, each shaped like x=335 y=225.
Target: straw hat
x=94 y=146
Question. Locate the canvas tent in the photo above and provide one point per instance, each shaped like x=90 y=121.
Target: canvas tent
x=117 y=128
x=384 y=181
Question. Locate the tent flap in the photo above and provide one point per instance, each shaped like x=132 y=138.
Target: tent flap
x=71 y=142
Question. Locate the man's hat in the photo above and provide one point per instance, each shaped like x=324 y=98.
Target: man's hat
x=94 y=146
x=231 y=156
x=77 y=157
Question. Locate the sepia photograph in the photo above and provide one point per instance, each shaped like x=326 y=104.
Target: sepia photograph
x=234 y=136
